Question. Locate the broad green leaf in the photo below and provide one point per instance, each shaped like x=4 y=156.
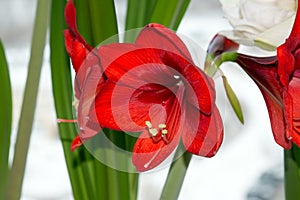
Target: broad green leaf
x=5 y=120
x=169 y=13
x=233 y=100
x=103 y=20
x=29 y=101
x=138 y=15
x=78 y=161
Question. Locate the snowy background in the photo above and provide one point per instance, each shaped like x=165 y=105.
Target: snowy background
x=248 y=166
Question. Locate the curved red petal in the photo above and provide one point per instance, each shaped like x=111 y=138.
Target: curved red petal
x=203 y=134
x=124 y=108
x=87 y=120
x=76 y=143
x=264 y=73
x=70 y=16
x=76 y=50
x=220 y=44
x=140 y=67
x=286 y=63
x=147 y=154
x=158 y=36
x=199 y=87
x=276 y=114
x=293 y=120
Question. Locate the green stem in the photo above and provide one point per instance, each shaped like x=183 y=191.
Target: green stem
x=292 y=173
x=212 y=64
x=176 y=174
x=29 y=102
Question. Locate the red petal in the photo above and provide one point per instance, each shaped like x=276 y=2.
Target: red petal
x=76 y=143
x=293 y=118
x=286 y=63
x=76 y=46
x=264 y=72
x=199 y=87
x=87 y=119
x=203 y=135
x=275 y=110
x=76 y=50
x=70 y=16
x=124 y=108
x=90 y=63
x=220 y=44
x=147 y=154
x=158 y=36
x=140 y=67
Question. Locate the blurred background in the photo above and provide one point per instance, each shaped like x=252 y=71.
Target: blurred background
x=248 y=166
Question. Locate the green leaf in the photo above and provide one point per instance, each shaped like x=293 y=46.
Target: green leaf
x=176 y=174
x=234 y=102
x=5 y=120
x=103 y=20
x=138 y=15
x=79 y=162
x=29 y=102
x=169 y=13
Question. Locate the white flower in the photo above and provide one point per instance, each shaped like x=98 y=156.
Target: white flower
x=265 y=23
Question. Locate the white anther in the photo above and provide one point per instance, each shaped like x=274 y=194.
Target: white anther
x=161 y=126
x=180 y=83
x=164 y=132
x=148 y=124
x=153 y=131
x=176 y=76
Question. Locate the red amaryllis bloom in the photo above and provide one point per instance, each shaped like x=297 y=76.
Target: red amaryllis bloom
x=278 y=79
x=154 y=87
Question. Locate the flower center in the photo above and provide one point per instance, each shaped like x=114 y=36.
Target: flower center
x=161 y=128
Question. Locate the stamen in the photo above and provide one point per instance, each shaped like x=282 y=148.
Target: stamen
x=148 y=124
x=162 y=126
x=153 y=131
x=164 y=132
x=180 y=83
x=66 y=120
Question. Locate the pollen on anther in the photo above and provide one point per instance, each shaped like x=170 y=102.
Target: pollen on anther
x=148 y=124
x=153 y=131
x=161 y=126
x=164 y=132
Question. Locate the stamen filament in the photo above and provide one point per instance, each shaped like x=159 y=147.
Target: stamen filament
x=59 y=120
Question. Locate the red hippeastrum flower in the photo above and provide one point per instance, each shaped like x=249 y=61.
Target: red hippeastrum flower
x=154 y=87
x=278 y=79
x=151 y=86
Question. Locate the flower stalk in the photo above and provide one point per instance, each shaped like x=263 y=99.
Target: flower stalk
x=292 y=173
x=176 y=174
